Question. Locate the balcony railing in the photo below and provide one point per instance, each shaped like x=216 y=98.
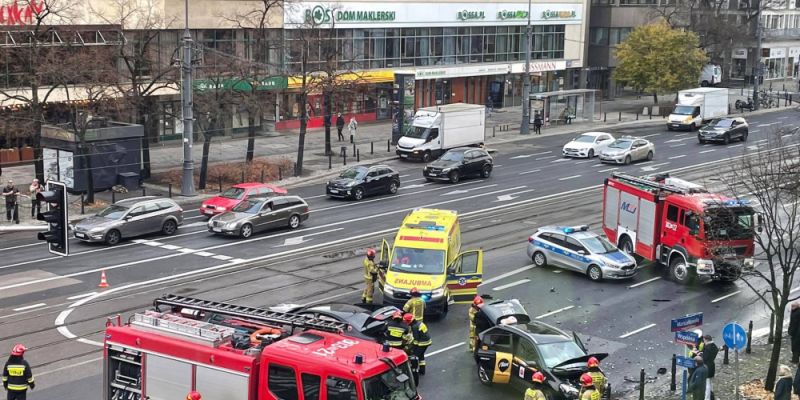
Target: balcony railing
x=786 y=33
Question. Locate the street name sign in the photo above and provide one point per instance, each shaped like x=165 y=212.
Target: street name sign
x=686 y=337
x=687 y=322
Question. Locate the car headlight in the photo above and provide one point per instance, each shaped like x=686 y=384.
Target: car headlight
x=705 y=267
x=749 y=263
x=388 y=290
x=568 y=390
x=446 y=170
x=351 y=184
x=96 y=230
x=437 y=293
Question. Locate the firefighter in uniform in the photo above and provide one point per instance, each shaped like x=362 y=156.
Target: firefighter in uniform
x=17 y=374
x=370 y=276
x=536 y=391
x=398 y=334
x=194 y=396
x=588 y=391
x=415 y=305
x=477 y=303
x=598 y=377
x=422 y=340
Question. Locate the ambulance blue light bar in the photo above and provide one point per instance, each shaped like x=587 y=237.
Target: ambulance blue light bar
x=573 y=229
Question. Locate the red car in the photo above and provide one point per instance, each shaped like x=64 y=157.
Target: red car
x=235 y=195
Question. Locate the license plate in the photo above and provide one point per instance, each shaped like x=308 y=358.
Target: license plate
x=432 y=173
x=217 y=229
x=79 y=235
x=403 y=155
x=334 y=191
x=209 y=212
x=676 y=125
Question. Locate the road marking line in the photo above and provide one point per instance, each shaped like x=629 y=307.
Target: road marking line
x=678 y=145
x=451 y=347
x=194 y=224
x=650 y=135
x=90 y=342
x=642 y=329
x=726 y=296
x=707 y=151
x=403 y=176
x=507 y=274
x=222 y=257
x=65 y=332
x=736 y=145
x=497 y=165
x=170 y=247
x=316 y=197
x=80 y=296
x=153 y=243
x=554 y=312
x=140 y=241
x=30 y=307
x=188 y=251
x=529 y=172
x=351 y=204
x=203 y=254
x=59 y=369
x=544 y=158
x=196 y=216
x=643 y=282
x=608 y=169
x=20 y=246
x=508 y=285
x=569 y=177
x=676 y=157
x=238 y=260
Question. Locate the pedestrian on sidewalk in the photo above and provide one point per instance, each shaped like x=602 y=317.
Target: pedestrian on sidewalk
x=35 y=189
x=537 y=123
x=783 y=389
x=710 y=351
x=352 y=127
x=10 y=193
x=794 y=331
x=340 y=125
x=796 y=383
x=697 y=382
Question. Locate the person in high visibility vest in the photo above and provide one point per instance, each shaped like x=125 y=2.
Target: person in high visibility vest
x=422 y=340
x=398 y=334
x=370 y=276
x=474 y=309
x=598 y=377
x=17 y=374
x=536 y=392
x=588 y=391
x=415 y=305
x=194 y=396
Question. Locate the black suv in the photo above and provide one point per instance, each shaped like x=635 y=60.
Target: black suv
x=458 y=163
x=359 y=181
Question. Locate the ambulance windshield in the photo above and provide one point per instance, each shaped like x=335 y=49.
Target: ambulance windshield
x=394 y=384
x=417 y=261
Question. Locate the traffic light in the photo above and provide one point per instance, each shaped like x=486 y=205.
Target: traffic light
x=57 y=215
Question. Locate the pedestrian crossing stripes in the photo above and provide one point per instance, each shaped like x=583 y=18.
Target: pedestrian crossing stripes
x=186 y=250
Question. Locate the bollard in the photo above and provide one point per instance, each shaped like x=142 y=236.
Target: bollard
x=169 y=186
x=16 y=213
x=354 y=148
x=725 y=359
x=113 y=197
x=330 y=160
x=605 y=115
x=749 y=337
x=358 y=155
x=672 y=380
x=650 y=114
x=296 y=172
x=280 y=173
x=262 y=175
x=371 y=147
x=493 y=130
x=344 y=158
x=219 y=183
x=388 y=145
x=641 y=384
x=144 y=191
x=620 y=116
x=608 y=391
x=82 y=204
x=637 y=116
x=242 y=177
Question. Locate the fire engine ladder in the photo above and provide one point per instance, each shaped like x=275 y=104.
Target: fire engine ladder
x=648 y=183
x=252 y=313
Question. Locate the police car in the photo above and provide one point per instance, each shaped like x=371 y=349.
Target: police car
x=578 y=249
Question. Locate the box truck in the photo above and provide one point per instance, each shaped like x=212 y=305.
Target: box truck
x=437 y=129
x=696 y=106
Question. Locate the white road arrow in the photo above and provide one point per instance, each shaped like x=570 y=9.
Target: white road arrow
x=457 y=191
x=512 y=196
x=506 y=197
x=649 y=169
x=419 y=185
x=294 y=241
x=462 y=191
x=522 y=156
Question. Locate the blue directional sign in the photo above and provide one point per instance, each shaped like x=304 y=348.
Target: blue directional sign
x=687 y=337
x=687 y=322
x=734 y=336
x=685 y=362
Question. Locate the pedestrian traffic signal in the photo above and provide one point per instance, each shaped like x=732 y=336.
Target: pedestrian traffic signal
x=57 y=215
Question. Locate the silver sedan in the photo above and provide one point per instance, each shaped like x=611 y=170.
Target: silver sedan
x=626 y=150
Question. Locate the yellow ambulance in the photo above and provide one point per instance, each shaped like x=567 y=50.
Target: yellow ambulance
x=427 y=256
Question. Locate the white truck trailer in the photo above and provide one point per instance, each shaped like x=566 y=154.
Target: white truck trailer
x=697 y=106
x=439 y=128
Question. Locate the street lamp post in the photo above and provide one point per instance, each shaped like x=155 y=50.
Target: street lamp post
x=759 y=70
x=187 y=184
x=524 y=127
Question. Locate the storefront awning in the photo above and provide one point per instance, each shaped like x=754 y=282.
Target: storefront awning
x=296 y=82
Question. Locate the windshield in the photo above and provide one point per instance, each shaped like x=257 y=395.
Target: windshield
x=598 y=245
x=250 y=207
x=233 y=193
x=113 y=212
x=727 y=223
x=418 y=261
x=353 y=173
x=584 y=139
x=722 y=123
x=453 y=156
x=419 y=133
x=620 y=144
x=387 y=387
x=556 y=353
x=683 y=110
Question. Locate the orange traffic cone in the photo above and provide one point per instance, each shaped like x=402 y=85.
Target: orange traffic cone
x=103 y=280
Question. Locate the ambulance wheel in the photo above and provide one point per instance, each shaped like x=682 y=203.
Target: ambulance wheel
x=594 y=273
x=483 y=376
x=679 y=271
x=445 y=309
x=539 y=259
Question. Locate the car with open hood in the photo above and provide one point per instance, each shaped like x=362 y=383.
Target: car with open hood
x=515 y=347
x=587 y=145
x=459 y=163
x=237 y=194
x=129 y=218
x=360 y=181
x=724 y=130
x=363 y=323
x=258 y=214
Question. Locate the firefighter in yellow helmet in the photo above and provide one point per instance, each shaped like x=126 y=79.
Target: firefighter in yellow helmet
x=194 y=396
x=415 y=305
x=536 y=392
x=598 y=377
x=370 y=276
x=474 y=309
x=17 y=374
x=588 y=391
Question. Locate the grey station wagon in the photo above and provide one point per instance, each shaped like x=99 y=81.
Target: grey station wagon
x=259 y=214
x=129 y=218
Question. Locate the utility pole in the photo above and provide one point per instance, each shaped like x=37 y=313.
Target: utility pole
x=187 y=184
x=759 y=70
x=524 y=127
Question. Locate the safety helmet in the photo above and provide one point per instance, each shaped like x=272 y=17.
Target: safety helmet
x=477 y=301
x=397 y=315
x=370 y=253
x=194 y=396
x=18 y=350
x=414 y=291
x=408 y=318
x=538 y=377
x=586 y=380
x=593 y=362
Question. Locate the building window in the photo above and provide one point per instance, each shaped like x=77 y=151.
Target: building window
x=598 y=36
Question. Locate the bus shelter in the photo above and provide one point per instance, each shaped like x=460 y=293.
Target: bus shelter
x=564 y=106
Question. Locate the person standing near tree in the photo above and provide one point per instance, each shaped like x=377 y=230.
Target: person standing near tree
x=794 y=331
x=352 y=126
x=10 y=193
x=339 y=126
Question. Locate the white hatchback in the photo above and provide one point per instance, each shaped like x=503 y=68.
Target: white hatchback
x=587 y=145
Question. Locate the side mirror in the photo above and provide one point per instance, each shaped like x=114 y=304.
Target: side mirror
x=582 y=252
x=127 y=217
x=451 y=270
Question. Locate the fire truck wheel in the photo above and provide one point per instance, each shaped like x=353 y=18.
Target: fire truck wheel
x=594 y=273
x=626 y=245
x=539 y=259
x=679 y=271
x=483 y=376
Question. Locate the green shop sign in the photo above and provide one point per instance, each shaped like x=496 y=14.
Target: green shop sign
x=505 y=14
x=271 y=83
x=471 y=15
x=321 y=15
x=550 y=14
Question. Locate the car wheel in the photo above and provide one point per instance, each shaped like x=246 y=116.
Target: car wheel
x=358 y=193
x=679 y=271
x=590 y=154
x=483 y=376
x=486 y=172
x=726 y=139
x=445 y=309
x=113 y=237
x=294 y=221
x=627 y=159
x=393 y=187
x=649 y=156
x=594 y=273
x=744 y=136
x=246 y=231
x=455 y=177
x=539 y=259
x=700 y=140
x=169 y=227
x=669 y=128
x=426 y=156
x=428 y=180
x=704 y=83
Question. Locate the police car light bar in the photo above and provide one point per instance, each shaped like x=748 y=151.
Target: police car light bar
x=573 y=229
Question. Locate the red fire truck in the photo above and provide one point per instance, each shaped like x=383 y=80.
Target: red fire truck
x=679 y=224
x=230 y=352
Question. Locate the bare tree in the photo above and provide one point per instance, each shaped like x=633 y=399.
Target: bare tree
x=770 y=180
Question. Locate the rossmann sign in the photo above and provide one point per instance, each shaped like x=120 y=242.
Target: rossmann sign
x=20 y=13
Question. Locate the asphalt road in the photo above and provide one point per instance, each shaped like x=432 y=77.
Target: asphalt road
x=41 y=295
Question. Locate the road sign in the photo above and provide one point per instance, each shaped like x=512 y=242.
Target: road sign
x=685 y=362
x=687 y=322
x=734 y=336
x=686 y=338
